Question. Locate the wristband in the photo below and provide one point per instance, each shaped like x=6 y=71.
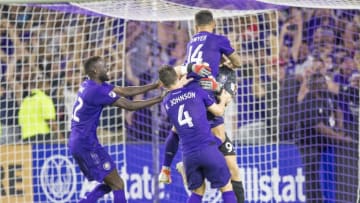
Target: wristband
x=189 y=67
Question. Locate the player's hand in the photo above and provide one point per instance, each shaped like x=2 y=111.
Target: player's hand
x=210 y=84
x=202 y=69
x=159 y=84
x=165 y=175
x=225 y=96
x=163 y=93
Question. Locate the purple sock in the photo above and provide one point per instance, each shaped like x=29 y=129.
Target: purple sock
x=194 y=198
x=229 y=197
x=171 y=147
x=119 y=196
x=93 y=196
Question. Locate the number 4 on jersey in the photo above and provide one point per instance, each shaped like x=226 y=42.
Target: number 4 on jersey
x=184 y=114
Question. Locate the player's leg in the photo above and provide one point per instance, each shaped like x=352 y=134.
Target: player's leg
x=194 y=177
x=180 y=168
x=228 y=149
x=228 y=194
x=99 y=191
x=236 y=183
x=116 y=183
x=197 y=194
x=217 y=173
x=85 y=161
x=96 y=164
x=171 y=147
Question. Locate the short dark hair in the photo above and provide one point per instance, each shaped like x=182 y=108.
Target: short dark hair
x=167 y=75
x=203 y=17
x=90 y=64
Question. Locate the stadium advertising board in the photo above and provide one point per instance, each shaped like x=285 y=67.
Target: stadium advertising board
x=15 y=174
x=59 y=178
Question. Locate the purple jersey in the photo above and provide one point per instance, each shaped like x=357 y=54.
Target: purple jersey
x=186 y=108
x=208 y=47
x=92 y=97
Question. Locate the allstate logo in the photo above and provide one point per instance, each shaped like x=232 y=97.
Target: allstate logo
x=58 y=178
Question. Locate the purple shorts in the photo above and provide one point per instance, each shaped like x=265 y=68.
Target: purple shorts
x=95 y=164
x=207 y=163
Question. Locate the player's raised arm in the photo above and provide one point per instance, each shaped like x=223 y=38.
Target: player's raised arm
x=235 y=59
x=137 y=104
x=219 y=109
x=135 y=90
x=232 y=61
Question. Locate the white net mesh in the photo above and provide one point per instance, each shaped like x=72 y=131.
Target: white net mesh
x=335 y=4
x=156 y=10
x=252 y=121
x=42 y=52
x=318 y=55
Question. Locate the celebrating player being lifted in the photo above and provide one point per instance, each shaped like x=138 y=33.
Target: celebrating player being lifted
x=186 y=108
x=93 y=95
x=210 y=48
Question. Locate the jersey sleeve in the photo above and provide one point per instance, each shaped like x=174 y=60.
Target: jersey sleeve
x=225 y=46
x=104 y=95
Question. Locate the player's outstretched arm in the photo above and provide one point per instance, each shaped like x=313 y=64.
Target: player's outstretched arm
x=135 y=90
x=235 y=59
x=137 y=104
x=219 y=109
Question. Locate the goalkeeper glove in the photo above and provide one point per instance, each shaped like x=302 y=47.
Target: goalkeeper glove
x=210 y=84
x=164 y=176
x=201 y=69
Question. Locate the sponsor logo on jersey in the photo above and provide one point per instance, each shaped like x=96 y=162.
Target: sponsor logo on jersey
x=107 y=166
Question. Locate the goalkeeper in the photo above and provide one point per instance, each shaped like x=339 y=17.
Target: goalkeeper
x=205 y=46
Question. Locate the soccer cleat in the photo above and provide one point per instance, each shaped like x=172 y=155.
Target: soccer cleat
x=180 y=168
x=165 y=176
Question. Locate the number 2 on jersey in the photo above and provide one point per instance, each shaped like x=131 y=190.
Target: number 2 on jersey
x=76 y=109
x=184 y=114
x=196 y=56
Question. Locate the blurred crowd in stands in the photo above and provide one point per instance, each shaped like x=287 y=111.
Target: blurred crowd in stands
x=44 y=49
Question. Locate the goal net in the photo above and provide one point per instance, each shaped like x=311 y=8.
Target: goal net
x=273 y=121
x=333 y=4
x=42 y=51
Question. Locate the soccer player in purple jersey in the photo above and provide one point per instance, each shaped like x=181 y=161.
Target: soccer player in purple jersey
x=93 y=159
x=186 y=107
x=207 y=47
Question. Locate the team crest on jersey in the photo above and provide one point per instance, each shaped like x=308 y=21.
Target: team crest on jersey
x=112 y=94
x=106 y=166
